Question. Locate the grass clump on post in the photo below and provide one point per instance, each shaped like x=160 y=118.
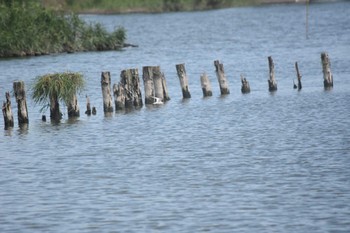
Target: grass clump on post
x=51 y=89
x=28 y=29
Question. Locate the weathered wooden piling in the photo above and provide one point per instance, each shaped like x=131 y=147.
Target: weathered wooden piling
x=298 y=76
x=165 y=88
x=73 y=107
x=106 y=92
x=7 y=111
x=181 y=73
x=119 y=96
x=272 y=80
x=55 y=112
x=88 y=106
x=245 y=85
x=326 y=68
x=220 y=74
x=206 y=86
x=158 y=83
x=127 y=93
x=20 y=95
x=147 y=76
x=136 y=88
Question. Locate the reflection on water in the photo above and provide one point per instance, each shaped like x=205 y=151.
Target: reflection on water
x=260 y=162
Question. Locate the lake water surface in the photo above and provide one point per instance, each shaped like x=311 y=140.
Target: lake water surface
x=258 y=162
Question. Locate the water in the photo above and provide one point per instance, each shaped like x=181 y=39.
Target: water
x=259 y=162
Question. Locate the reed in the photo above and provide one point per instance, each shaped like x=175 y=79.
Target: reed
x=50 y=89
x=29 y=29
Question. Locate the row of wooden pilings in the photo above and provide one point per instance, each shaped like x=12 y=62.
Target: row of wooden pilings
x=127 y=93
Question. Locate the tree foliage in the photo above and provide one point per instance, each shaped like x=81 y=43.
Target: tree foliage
x=29 y=29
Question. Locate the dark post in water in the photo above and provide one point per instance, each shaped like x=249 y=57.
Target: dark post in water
x=106 y=92
x=272 y=81
x=20 y=94
x=326 y=68
x=7 y=112
x=220 y=74
x=298 y=76
x=88 y=106
x=245 y=85
x=181 y=73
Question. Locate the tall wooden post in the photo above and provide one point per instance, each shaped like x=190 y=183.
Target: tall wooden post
x=158 y=83
x=245 y=85
x=20 y=94
x=119 y=96
x=126 y=88
x=106 y=92
x=136 y=87
x=298 y=76
x=206 y=86
x=127 y=92
x=7 y=111
x=147 y=76
x=220 y=74
x=272 y=81
x=165 y=88
x=73 y=107
x=181 y=73
x=326 y=68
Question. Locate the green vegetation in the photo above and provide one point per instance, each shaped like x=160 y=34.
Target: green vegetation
x=50 y=89
x=27 y=29
x=123 y=6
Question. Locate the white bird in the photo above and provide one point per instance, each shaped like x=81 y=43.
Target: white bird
x=157 y=100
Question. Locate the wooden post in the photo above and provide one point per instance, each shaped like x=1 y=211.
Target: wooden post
x=20 y=94
x=88 y=106
x=272 y=81
x=7 y=112
x=106 y=92
x=158 y=83
x=94 y=110
x=147 y=76
x=298 y=76
x=165 y=88
x=125 y=89
x=326 y=68
x=245 y=85
x=136 y=88
x=55 y=113
x=131 y=86
x=73 y=107
x=181 y=73
x=220 y=74
x=119 y=96
x=206 y=86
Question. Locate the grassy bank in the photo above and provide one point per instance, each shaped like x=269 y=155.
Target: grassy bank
x=29 y=29
x=147 y=6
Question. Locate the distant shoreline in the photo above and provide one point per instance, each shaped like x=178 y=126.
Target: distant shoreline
x=147 y=10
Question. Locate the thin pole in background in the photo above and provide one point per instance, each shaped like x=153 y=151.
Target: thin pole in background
x=307 y=20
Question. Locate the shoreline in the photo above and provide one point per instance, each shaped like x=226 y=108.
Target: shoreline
x=146 y=10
